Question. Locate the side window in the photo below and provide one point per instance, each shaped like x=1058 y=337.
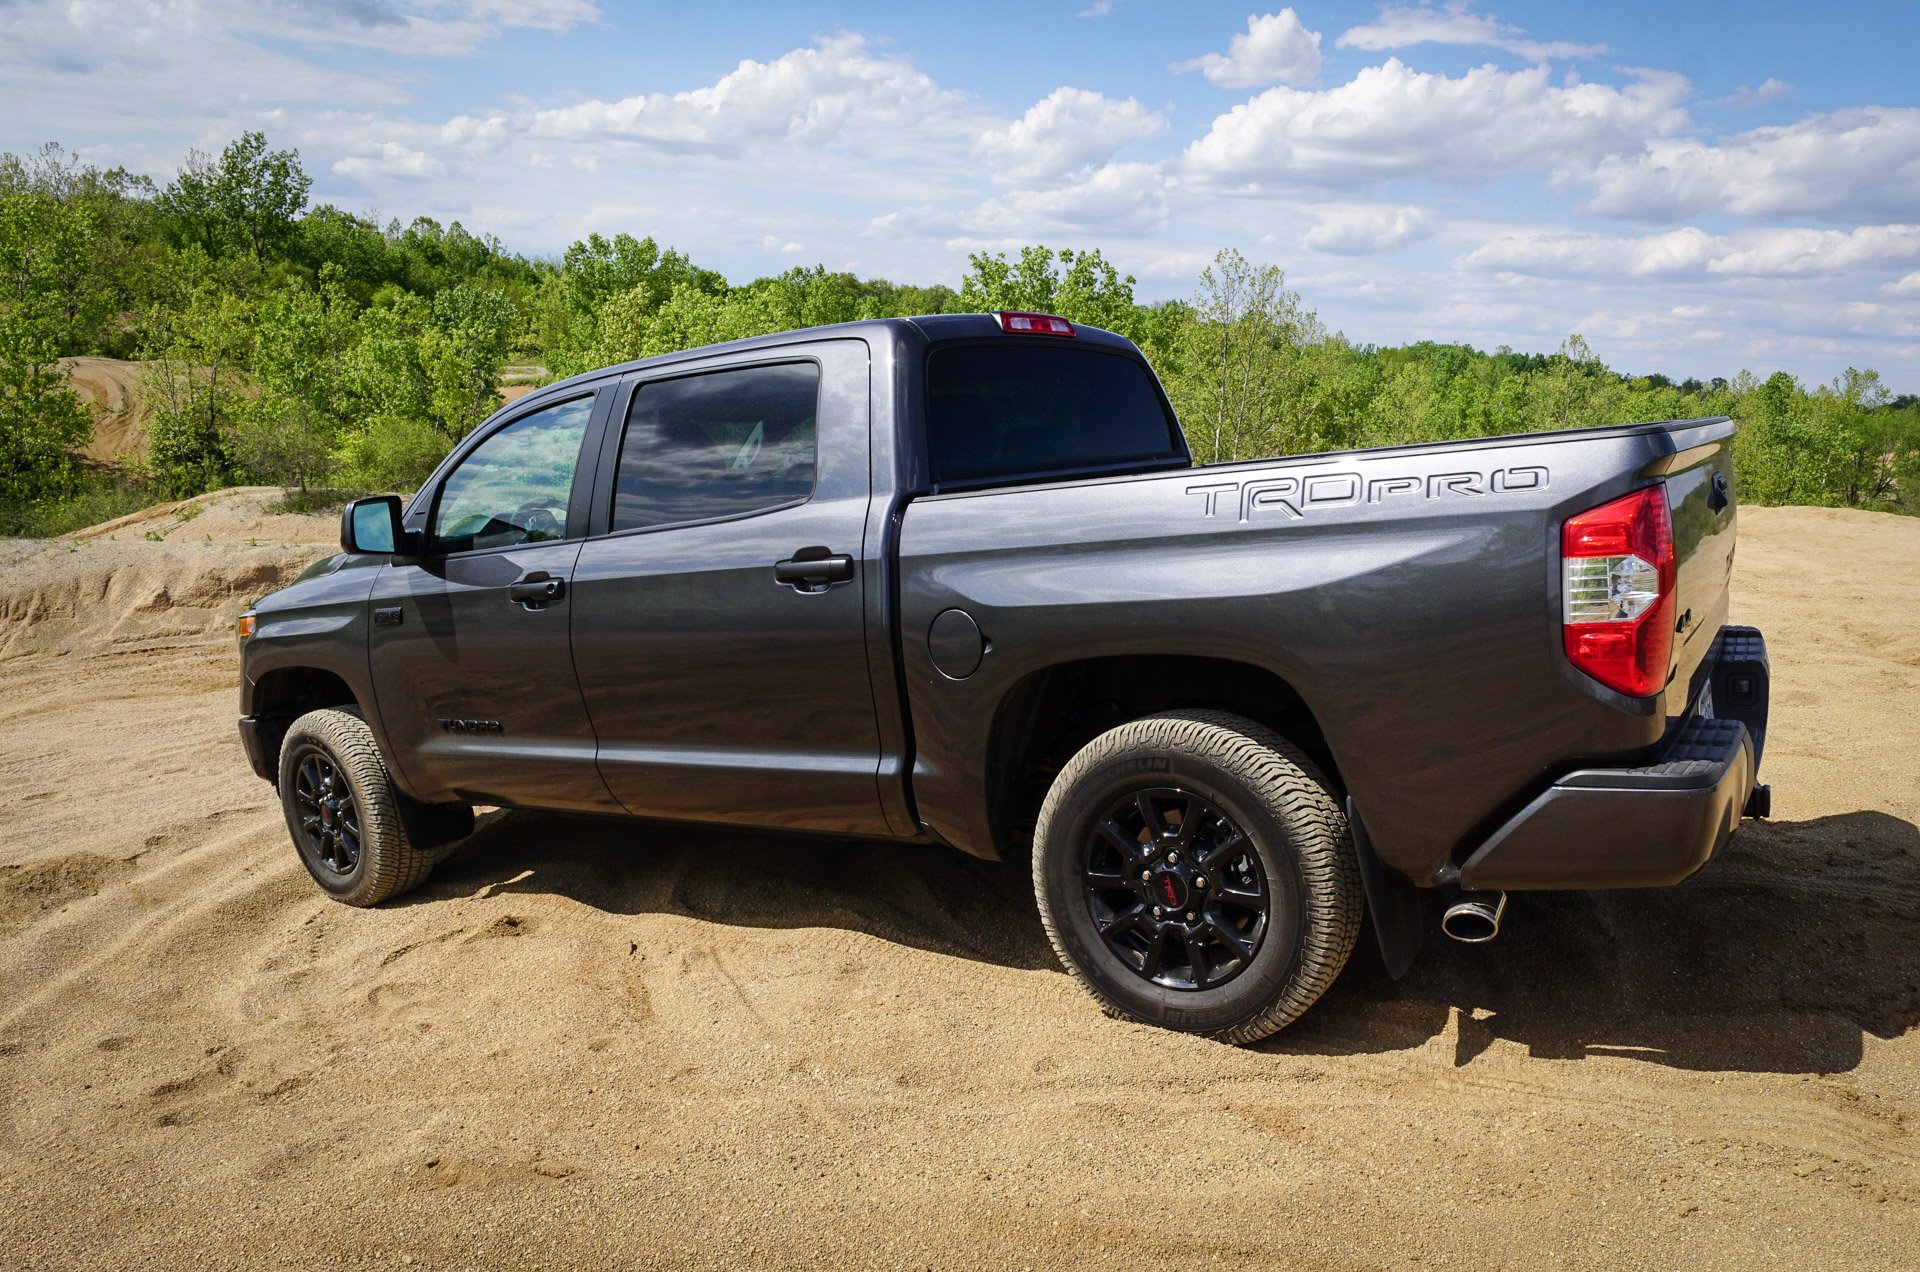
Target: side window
x=514 y=487
x=718 y=445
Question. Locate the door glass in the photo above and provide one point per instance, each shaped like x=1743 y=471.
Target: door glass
x=718 y=445
x=514 y=487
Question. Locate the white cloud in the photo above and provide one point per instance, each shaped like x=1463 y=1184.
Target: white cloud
x=1401 y=26
x=1745 y=98
x=1851 y=164
x=1693 y=253
x=1358 y=231
x=1129 y=196
x=1276 y=48
x=390 y=159
x=1098 y=9
x=1908 y=286
x=1067 y=130
x=837 y=92
x=1392 y=122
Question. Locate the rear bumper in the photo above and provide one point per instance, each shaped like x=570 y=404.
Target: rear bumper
x=1650 y=825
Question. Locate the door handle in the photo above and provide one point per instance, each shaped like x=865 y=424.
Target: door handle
x=536 y=590
x=813 y=569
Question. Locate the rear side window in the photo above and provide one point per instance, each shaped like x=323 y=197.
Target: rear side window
x=1003 y=410
x=718 y=445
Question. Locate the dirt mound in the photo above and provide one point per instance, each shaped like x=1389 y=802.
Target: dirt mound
x=589 y=1043
x=180 y=571
x=239 y=514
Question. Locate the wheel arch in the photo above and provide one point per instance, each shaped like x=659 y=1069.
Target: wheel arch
x=1048 y=715
x=284 y=694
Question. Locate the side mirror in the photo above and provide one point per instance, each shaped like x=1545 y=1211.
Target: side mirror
x=373 y=526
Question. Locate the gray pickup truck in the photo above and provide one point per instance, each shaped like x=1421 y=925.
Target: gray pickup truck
x=956 y=581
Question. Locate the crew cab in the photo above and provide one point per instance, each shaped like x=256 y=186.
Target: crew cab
x=956 y=581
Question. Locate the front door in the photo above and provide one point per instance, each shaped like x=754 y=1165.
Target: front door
x=470 y=644
x=719 y=624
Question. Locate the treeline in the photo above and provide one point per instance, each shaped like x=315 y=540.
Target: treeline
x=314 y=348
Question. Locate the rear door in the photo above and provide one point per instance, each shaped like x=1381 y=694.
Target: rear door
x=470 y=645
x=719 y=610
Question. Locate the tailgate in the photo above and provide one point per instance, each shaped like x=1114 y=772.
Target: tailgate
x=1701 y=497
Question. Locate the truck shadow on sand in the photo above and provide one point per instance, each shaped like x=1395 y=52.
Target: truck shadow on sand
x=926 y=898
x=1802 y=938
x=1779 y=957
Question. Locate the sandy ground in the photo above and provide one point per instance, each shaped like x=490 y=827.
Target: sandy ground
x=601 y=1044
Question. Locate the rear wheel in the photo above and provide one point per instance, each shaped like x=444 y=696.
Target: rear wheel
x=1193 y=871
x=343 y=812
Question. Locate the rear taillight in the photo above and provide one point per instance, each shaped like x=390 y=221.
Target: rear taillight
x=1034 y=324
x=1618 y=593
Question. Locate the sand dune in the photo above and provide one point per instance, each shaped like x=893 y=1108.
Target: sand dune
x=590 y=1043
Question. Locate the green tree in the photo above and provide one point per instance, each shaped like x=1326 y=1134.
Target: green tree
x=1243 y=369
x=200 y=348
x=245 y=202
x=42 y=421
x=1080 y=286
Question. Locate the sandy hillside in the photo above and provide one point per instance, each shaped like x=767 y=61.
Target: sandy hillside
x=111 y=389
x=595 y=1044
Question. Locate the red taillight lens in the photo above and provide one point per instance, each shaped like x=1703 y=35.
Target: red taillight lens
x=1617 y=592
x=1034 y=324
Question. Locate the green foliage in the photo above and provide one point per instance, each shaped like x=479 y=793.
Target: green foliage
x=42 y=242
x=315 y=347
x=98 y=497
x=201 y=342
x=1079 y=286
x=1238 y=368
x=243 y=202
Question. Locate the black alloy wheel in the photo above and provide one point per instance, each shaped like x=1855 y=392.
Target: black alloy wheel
x=329 y=819
x=1175 y=889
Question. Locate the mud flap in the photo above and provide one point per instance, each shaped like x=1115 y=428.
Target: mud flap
x=1393 y=904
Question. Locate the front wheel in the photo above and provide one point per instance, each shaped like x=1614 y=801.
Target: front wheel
x=1194 y=871
x=343 y=813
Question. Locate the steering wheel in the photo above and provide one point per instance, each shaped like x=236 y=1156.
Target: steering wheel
x=535 y=516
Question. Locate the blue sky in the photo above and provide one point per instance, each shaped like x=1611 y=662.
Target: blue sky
x=1696 y=188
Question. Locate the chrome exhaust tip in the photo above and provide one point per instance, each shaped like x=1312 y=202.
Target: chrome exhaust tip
x=1475 y=918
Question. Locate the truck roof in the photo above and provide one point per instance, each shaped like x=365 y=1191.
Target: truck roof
x=924 y=329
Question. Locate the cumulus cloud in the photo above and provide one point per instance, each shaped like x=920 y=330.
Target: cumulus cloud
x=1402 y=26
x=390 y=159
x=1855 y=164
x=1689 y=252
x=1276 y=48
x=1118 y=196
x=837 y=91
x=1391 y=122
x=1068 y=130
x=1359 y=231
x=1908 y=286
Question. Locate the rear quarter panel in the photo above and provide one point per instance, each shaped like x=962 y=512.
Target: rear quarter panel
x=1410 y=596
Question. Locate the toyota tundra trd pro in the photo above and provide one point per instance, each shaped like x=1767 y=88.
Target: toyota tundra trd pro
x=956 y=581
